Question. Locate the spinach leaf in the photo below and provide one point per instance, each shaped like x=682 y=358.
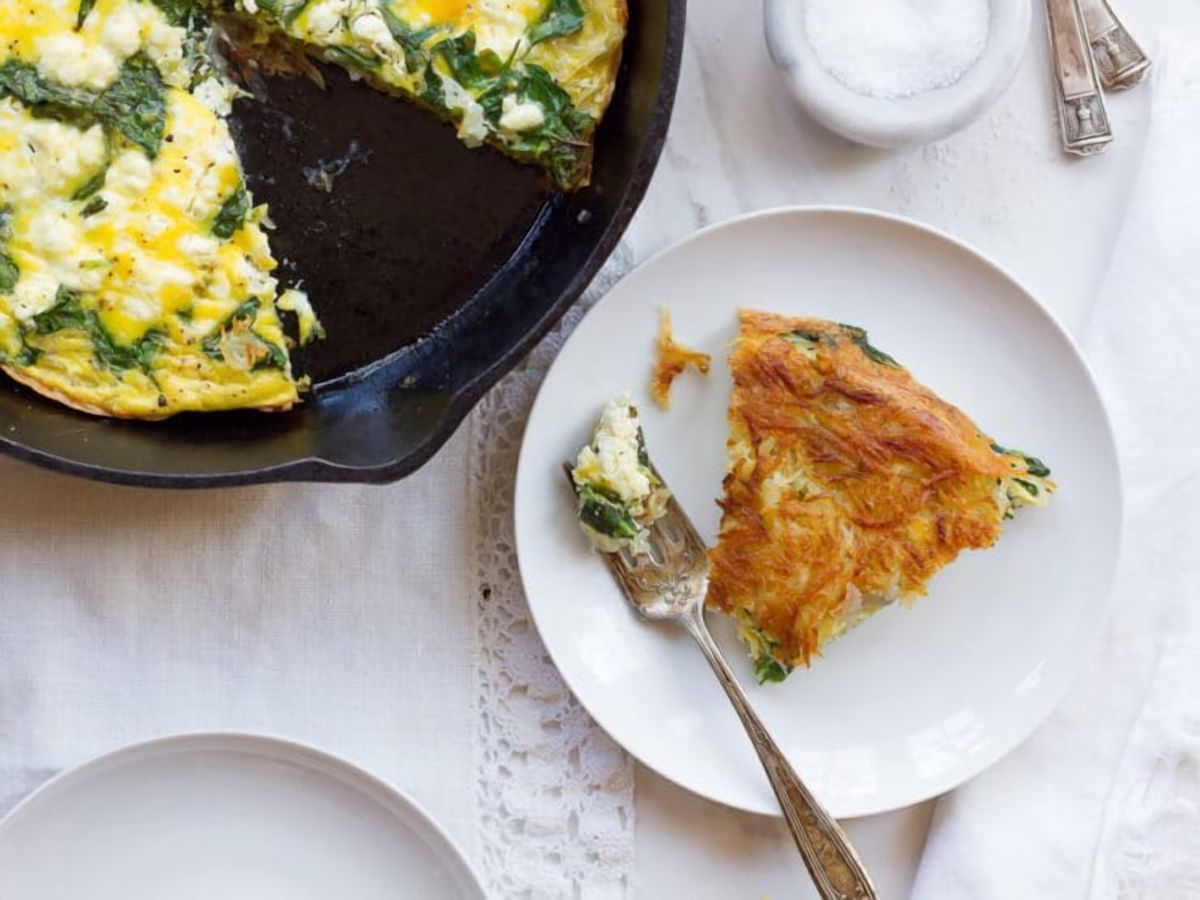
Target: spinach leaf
x=350 y=57
x=769 y=669
x=291 y=11
x=65 y=313
x=560 y=18
x=68 y=312
x=27 y=357
x=10 y=273
x=859 y=337
x=85 y=9
x=232 y=215
x=113 y=355
x=136 y=105
x=22 y=81
x=413 y=42
x=92 y=186
x=95 y=205
x=177 y=12
x=269 y=355
x=1033 y=465
x=561 y=140
x=1028 y=485
x=803 y=340
x=604 y=515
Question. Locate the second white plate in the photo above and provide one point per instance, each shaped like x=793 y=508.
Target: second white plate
x=228 y=816
x=913 y=702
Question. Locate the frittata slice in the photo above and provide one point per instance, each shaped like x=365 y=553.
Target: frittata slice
x=850 y=485
x=135 y=276
x=530 y=77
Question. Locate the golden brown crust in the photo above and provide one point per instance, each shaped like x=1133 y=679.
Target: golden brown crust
x=24 y=377
x=847 y=479
x=673 y=358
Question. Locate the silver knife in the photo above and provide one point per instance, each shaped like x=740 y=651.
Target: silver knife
x=1085 y=125
x=1120 y=59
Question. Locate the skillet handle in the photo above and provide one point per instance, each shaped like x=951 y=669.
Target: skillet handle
x=835 y=868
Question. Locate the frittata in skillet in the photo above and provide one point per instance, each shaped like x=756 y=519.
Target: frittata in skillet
x=135 y=277
x=135 y=272
x=530 y=77
x=849 y=486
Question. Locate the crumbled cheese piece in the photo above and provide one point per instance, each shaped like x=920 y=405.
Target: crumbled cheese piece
x=611 y=460
x=73 y=60
x=515 y=116
x=216 y=94
x=33 y=294
x=371 y=31
x=472 y=127
x=326 y=20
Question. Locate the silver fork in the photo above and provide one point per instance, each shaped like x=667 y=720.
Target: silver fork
x=668 y=584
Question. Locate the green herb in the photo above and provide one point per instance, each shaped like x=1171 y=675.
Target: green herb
x=178 y=12
x=113 y=355
x=95 y=205
x=291 y=11
x=351 y=57
x=232 y=215
x=560 y=18
x=432 y=92
x=413 y=42
x=1033 y=465
x=859 y=337
x=92 y=186
x=271 y=357
x=804 y=340
x=560 y=142
x=769 y=669
x=10 y=273
x=605 y=515
x=134 y=105
x=65 y=313
x=85 y=9
x=68 y=312
x=1028 y=485
x=27 y=357
x=21 y=81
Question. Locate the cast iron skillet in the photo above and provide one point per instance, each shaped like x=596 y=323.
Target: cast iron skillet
x=434 y=269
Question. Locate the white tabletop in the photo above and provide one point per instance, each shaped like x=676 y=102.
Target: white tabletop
x=737 y=143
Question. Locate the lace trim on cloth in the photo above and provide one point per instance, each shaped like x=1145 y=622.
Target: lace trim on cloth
x=555 y=794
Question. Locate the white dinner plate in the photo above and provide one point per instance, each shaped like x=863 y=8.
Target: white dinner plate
x=235 y=817
x=915 y=701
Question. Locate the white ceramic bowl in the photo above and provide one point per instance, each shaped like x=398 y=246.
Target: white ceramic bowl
x=896 y=122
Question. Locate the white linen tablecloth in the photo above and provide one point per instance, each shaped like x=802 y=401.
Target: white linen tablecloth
x=1104 y=801
x=328 y=614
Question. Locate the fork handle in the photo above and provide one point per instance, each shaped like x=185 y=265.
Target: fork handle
x=834 y=866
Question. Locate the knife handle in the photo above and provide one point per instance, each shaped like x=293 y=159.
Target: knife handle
x=1120 y=59
x=1085 y=126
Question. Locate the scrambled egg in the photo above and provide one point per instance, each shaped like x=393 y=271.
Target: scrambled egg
x=849 y=486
